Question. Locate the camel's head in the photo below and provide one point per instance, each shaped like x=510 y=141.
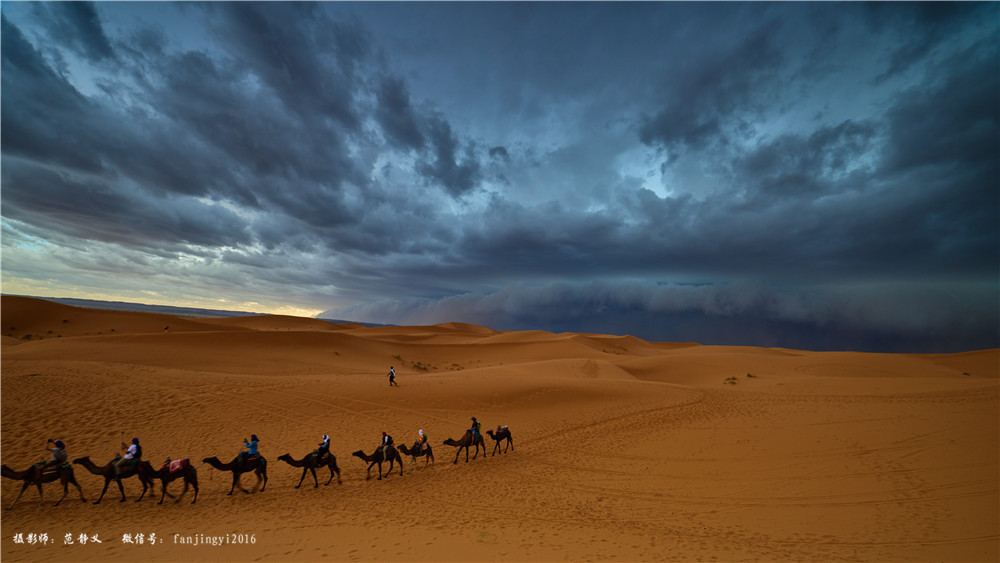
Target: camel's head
x=209 y=459
x=81 y=460
x=359 y=453
x=285 y=457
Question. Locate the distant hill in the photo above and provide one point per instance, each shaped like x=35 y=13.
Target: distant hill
x=190 y=312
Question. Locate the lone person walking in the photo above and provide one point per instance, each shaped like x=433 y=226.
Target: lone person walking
x=392 y=377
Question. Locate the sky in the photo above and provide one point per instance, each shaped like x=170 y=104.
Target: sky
x=822 y=176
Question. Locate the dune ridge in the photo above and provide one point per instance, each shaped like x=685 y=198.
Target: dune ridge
x=624 y=450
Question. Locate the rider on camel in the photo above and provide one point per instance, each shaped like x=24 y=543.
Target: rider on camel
x=59 y=457
x=476 y=425
x=133 y=453
x=386 y=442
x=324 y=448
x=251 y=449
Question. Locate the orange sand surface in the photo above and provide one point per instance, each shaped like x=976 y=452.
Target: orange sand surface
x=625 y=450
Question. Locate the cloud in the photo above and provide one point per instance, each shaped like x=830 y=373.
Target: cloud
x=922 y=27
x=396 y=116
x=295 y=149
x=311 y=62
x=714 y=89
x=915 y=318
x=38 y=102
x=458 y=173
x=500 y=153
x=918 y=317
x=77 y=26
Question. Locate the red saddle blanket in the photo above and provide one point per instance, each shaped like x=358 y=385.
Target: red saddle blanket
x=176 y=465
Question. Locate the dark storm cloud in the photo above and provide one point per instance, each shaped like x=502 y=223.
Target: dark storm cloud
x=500 y=152
x=714 y=89
x=77 y=26
x=953 y=123
x=269 y=127
x=923 y=26
x=89 y=209
x=800 y=167
x=941 y=152
x=38 y=102
x=839 y=179
x=454 y=167
x=396 y=115
x=311 y=62
x=875 y=318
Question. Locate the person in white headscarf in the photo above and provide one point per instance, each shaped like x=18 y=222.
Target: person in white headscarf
x=324 y=448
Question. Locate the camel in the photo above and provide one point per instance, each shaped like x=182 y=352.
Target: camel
x=187 y=472
x=504 y=433
x=377 y=457
x=417 y=451
x=143 y=469
x=466 y=442
x=63 y=474
x=258 y=465
x=310 y=463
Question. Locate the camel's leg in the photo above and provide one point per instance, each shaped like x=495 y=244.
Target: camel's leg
x=152 y=488
x=163 y=484
x=104 y=490
x=315 y=479
x=79 y=489
x=380 y=471
x=195 y=485
x=23 y=488
x=121 y=488
x=144 y=487
x=400 y=466
x=236 y=480
x=65 y=484
x=510 y=443
x=41 y=499
x=301 y=478
x=263 y=472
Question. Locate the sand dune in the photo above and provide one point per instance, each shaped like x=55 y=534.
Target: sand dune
x=625 y=450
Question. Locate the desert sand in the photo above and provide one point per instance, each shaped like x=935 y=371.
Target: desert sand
x=624 y=450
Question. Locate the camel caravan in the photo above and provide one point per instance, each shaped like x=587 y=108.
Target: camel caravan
x=131 y=464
